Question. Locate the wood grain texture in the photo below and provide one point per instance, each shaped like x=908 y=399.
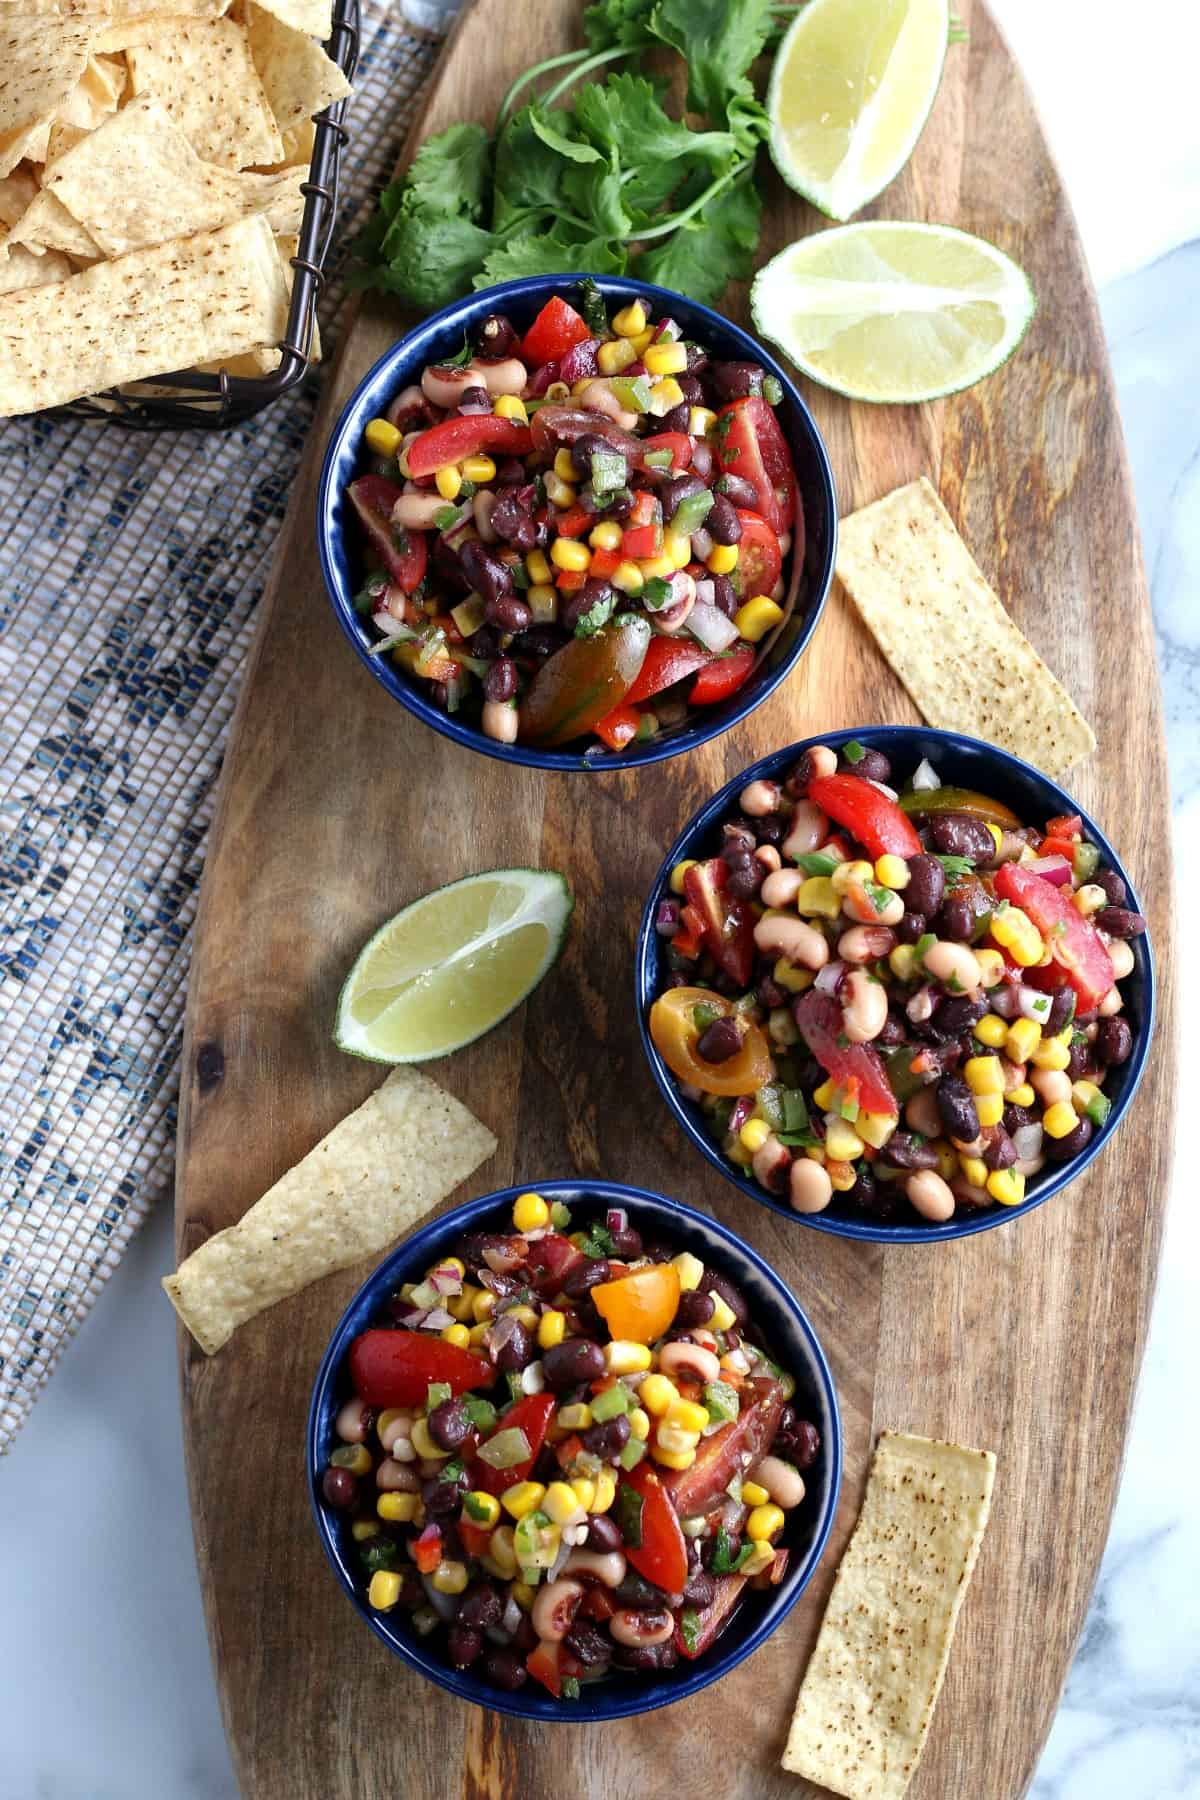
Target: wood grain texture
x=1025 y=1340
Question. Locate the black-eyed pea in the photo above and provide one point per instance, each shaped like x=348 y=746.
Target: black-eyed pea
x=506 y=375
x=865 y=1009
x=607 y=1567
x=499 y=721
x=392 y=1477
x=1111 y=1004
x=768 y=858
x=929 y=1195
x=637 y=1630
x=784 y=1483
x=809 y=1187
x=1121 y=957
x=807 y=831
x=555 y=1608
x=781 y=887
x=689 y=1362
x=771 y=1165
x=1051 y=1086
x=759 y=798
x=822 y=761
x=446 y=386
x=795 y=940
x=921 y=1113
x=866 y=943
x=954 y=966
x=863 y=911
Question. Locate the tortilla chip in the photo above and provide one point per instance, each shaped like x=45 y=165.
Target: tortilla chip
x=150 y=313
x=17 y=191
x=27 y=144
x=313 y=17
x=46 y=224
x=872 y=1682
x=204 y=76
x=96 y=94
x=21 y=269
x=40 y=63
x=136 y=181
x=365 y=1185
x=62 y=138
x=299 y=78
x=946 y=633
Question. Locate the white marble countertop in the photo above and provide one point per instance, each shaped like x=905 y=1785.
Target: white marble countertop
x=115 y=1700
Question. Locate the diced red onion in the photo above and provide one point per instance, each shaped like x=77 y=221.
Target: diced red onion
x=511 y=1617
x=437 y=1319
x=498 y=1333
x=1004 y=1000
x=446 y=1281
x=444 y=1605
x=711 y=628
x=778 y=1568
x=424 y=1294
x=1034 y=1005
x=533 y=1378
x=829 y=979
x=706 y=591
x=1055 y=869
x=889 y=793
x=411 y=1318
x=702 y=543
x=557 y=1566
x=383 y=621
x=925 y=777
x=616 y=1219
x=1027 y=1141
x=920 y=1007
x=540 y=380
x=666 y=919
x=500 y=1260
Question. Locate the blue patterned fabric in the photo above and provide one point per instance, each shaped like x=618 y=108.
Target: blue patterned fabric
x=131 y=567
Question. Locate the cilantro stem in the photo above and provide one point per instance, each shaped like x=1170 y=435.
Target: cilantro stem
x=584 y=68
x=542 y=68
x=674 y=220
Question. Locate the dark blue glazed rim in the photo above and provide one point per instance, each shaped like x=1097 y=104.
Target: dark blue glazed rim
x=965 y=762
x=790 y=1337
x=442 y=335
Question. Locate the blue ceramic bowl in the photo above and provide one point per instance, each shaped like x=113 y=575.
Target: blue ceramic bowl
x=963 y=762
x=790 y=1337
x=442 y=335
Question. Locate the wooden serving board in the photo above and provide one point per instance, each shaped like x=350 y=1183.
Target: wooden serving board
x=338 y=808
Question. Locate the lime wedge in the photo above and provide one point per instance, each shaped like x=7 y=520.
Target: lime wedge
x=850 y=92
x=452 y=965
x=893 y=312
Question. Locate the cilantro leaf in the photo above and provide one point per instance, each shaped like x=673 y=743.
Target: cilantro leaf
x=611 y=22
x=451 y=171
x=711 y=250
x=545 y=254
x=596 y=192
x=955 y=867
x=718 y=39
x=529 y=173
x=625 y=117
x=428 y=258
x=595 y=316
x=596 y=617
x=545 y=126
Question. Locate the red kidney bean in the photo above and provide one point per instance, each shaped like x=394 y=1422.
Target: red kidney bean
x=500 y=682
x=1119 y=922
x=1112 y=884
x=999 y=1151
x=701 y=1590
x=1114 y=1041
x=677 y=419
x=697 y=359
x=956 y=1106
x=722 y=522
x=627 y=1243
x=1017 y=1116
x=647 y=1656
x=577 y=1360
x=497 y=337
x=872 y=765
x=505 y=1669
x=1062 y=1008
x=509 y=613
x=1060 y=1150
x=904 y=1152
x=742 y=493
x=926 y=885
x=339 y=1488
x=695 y=1308
x=603 y=1534
x=513 y=520
x=734 y=380
x=608 y=1439
x=690 y=387
x=481 y=1605
x=724 y=598
x=448 y=1424
x=957 y=918
x=511 y=472
x=955 y=834
x=721 y=1041
x=465 y=1645
x=712 y=1282
x=594 y=592
x=588 y=1644
x=517 y=1351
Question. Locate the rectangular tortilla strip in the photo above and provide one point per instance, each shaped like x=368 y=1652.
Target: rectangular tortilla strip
x=868 y=1694
x=182 y=303
x=945 y=632
x=364 y=1185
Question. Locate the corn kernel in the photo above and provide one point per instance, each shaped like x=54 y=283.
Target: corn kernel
x=502 y=1551
x=990 y=1108
x=947 y=1157
x=657 y=1393
x=1022 y=1039
x=564 y=465
x=627 y=577
x=991 y=967
x=673 y=1459
x=666 y=359
x=1021 y=1095
x=448 y=482
x=479 y=1332
x=537 y=568
x=584 y=1490
x=892 y=872
x=764 y=1522
x=754 y=1133
x=690 y=1270
x=825 y=1094
x=560 y=493
x=992 y=1030
x=975 y=1170
x=1015 y=932
x=542 y=601
x=678 y=548
x=659 y=568
x=621 y=1357
x=560 y=1503
x=362 y=1529
x=459 y=1305
x=606 y=1491
x=722 y=559
x=1006 y=1187
x=612 y=358
x=482 y=1508
x=997 y=835
x=479 y=468
x=552 y=1328
x=722 y=1317
x=569 y=553
x=984 y=1075
x=1090 y=898
x=384 y=1590
x=842 y=1142
x=1059 y=1120
x=557 y=392
x=643 y=340
x=530 y=1212
x=457 y=1335
x=1052 y=1053
x=526 y=1316
x=795 y=981
x=875 y=1128
x=450 y=1577
x=701 y=421
x=753 y=1495
x=689 y=1415
x=382 y=437
x=815 y=1153
x=524 y=1595
x=761 y=1556
x=631 y=320
x=511 y=406
x=355 y=1457
x=666 y=394
x=523 y=1497
x=576 y=1417
x=605 y=536
x=847 y=872
x=639 y=1424
x=397 y=1508
x=423 y=1443
x=902 y=961
x=675 y=1441
x=1083 y=1093
x=678 y=873
x=841 y=1175
x=817 y=898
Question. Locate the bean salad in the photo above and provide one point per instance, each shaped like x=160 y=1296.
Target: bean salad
x=565 y=1453
x=902 y=1005
x=578 y=535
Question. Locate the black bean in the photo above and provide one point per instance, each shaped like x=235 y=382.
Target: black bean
x=956 y=919
x=512 y=520
x=1060 y=1150
x=865 y=1191
x=578 y=1359
x=926 y=886
x=603 y=1534
x=956 y=834
x=608 y=1439
x=675 y=491
x=721 y=1041
x=442 y=1499
x=481 y=1605
x=593 y=443
x=999 y=1151
x=517 y=1351
x=1079 y=1058
x=439 y=694
x=1112 y=884
x=721 y=521
x=711 y=1282
x=1119 y=922
x=620 y=505
x=956 y=1104
x=638 y=1594
x=585 y=1275
x=904 y=1152
x=504 y=1668
x=1062 y=1008
x=677 y=419
x=701 y=1590
x=1114 y=1041
x=796 y=1439
x=708 y=1545
x=956 y=1014
x=500 y=682
x=893 y=1031
x=539 y=641
x=339 y=1488
x=742 y=493
x=725 y=598
x=734 y=380
x=1016 y=1117
x=644 y=1657
x=872 y=765
x=497 y=336
x=590 y=1645
x=448 y=1424
x=690 y=388
x=465 y=1645
x=485 y=571
x=695 y=1308
x=509 y=613
x=746 y=879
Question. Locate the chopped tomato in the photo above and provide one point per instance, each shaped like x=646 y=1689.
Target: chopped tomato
x=1058 y=846
x=675 y=1034
x=722 y=676
x=532 y=1415
x=727 y=924
x=427 y=1550
x=1066 y=825
x=749 y=443
x=404 y=553
x=661 y=1554
x=581 y=683
x=544 y=1665
x=604 y=563
x=619 y=727
x=668 y=660
x=677 y=442
x=574 y=522
x=646 y=509
x=711 y=1619
x=1074 y=943
x=759 y=559
x=639 y=1307
x=569 y=581
x=720 y=1457
x=395 y=1368
x=550 y=1260
x=856 y=1066
x=467 y=435
x=475 y=1538
x=877 y=822
x=639 y=541
x=553 y=332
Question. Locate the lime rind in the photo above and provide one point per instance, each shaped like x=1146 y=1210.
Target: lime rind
x=547 y=902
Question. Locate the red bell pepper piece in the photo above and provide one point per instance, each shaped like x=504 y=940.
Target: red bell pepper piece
x=749 y=443
x=395 y=1368
x=719 y=1457
x=712 y=1619
x=1066 y=825
x=619 y=727
x=404 y=553
x=553 y=332
x=857 y=1067
x=427 y=1549
x=532 y=1415
x=722 y=677
x=467 y=435
x=726 y=923
x=550 y=1260
x=677 y=442
x=475 y=1538
x=668 y=660
x=574 y=522
x=638 y=541
x=1075 y=944
x=604 y=562
x=1058 y=846
x=661 y=1556
x=543 y=1665
x=569 y=581
x=760 y=560
x=877 y=822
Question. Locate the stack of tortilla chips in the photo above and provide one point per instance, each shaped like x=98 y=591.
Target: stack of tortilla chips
x=151 y=158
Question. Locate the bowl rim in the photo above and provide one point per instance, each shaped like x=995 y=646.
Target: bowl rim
x=535 y=1704
x=694 y=733
x=706 y=817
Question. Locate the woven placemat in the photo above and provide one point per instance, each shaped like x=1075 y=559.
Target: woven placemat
x=131 y=568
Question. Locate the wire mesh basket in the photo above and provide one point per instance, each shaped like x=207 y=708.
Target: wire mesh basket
x=208 y=402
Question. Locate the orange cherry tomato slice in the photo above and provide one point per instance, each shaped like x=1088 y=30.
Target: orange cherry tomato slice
x=675 y=1033
x=641 y=1306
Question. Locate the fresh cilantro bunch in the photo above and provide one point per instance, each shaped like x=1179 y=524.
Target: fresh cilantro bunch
x=607 y=183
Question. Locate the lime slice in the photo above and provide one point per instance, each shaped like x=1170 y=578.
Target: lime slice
x=891 y=311
x=452 y=965
x=850 y=92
